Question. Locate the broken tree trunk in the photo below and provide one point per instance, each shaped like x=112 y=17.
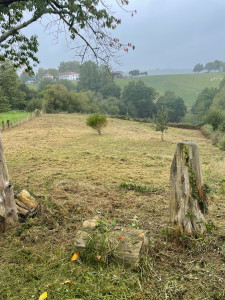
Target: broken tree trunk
x=187 y=203
x=8 y=211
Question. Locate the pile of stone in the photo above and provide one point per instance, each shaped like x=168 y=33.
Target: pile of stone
x=126 y=244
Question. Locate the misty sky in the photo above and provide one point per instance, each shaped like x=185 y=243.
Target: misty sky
x=167 y=34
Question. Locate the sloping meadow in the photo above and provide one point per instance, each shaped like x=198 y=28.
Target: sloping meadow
x=123 y=177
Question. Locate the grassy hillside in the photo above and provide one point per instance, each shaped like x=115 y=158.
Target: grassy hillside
x=187 y=86
x=75 y=174
x=13 y=116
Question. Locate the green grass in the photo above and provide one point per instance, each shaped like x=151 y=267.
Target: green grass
x=13 y=116
x=76 y=174
x=187 y=86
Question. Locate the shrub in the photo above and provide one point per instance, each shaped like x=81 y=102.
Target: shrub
x=217 y=137
x=222 y=143
x=97 y=122
x=207 y=130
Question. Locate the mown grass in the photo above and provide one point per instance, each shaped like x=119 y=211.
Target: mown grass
x=13 y=116
x=76 y=174
x=187 y=86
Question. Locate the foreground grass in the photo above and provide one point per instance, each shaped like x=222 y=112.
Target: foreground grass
x=187 y=86
x=13 y=116
x=75 y=174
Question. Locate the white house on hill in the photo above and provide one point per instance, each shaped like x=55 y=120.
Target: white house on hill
x=69 y=76
x=48 y=76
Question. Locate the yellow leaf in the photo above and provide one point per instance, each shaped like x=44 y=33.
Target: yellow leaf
x=43 y=296
x=75 y=256
x=99 y=257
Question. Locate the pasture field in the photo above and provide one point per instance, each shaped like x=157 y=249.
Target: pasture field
x=187 y=86
x=76 y=174
x=13 y=116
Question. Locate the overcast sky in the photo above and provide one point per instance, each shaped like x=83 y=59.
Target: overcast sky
x=167 y=34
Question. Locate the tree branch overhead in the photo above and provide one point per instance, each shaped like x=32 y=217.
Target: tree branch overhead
x=91 y=21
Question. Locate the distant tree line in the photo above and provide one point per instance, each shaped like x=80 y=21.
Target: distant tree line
x=216 y=66
x=14 y=94
x=137 y=73
x=95 y=92
x=209 y=110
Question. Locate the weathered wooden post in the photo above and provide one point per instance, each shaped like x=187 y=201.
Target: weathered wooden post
x=3 y=126
x=8 y=123
x=8 y=211
x=187 y=203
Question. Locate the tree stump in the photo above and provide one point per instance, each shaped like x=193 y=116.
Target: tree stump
x=8 y=211
x=187 y=201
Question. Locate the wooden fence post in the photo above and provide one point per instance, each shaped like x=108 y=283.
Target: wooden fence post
x=3 y=126
x=187 y=201
x=8 y=211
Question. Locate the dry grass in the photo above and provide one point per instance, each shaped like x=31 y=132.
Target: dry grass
x=74 y=173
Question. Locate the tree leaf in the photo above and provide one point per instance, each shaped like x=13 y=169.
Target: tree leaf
x=75 y=256
x=43 y=296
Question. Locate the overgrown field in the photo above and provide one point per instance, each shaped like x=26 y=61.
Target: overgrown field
x=76 y=174
x=13 y=116
x=187 y=86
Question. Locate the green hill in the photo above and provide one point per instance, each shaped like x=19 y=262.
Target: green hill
x=187 y=86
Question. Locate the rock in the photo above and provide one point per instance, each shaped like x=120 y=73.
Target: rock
x=81 y=240
x=26 y=204
x=91 y=223
x=128 y=244
x=125 y=244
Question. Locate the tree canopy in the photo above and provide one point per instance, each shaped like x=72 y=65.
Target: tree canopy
x=69 y=66
x=216 y=66
x=203 y=102
x=173 y=104
x=89 y=21
x=138 y=99
x=198 y=68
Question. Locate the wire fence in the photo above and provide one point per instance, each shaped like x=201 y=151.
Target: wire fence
x=15 y=119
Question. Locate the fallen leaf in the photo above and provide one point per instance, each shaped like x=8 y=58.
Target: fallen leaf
x=141 y=235
x=43 y=296
x=121 y=237
x=75 y=256
x=98 y=257
x=67 y=281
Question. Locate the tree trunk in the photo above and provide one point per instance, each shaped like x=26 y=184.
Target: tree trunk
x=187 y=203
x=8 y=211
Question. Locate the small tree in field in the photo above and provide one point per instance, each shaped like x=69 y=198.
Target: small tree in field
x=97 y=122
x=160 y=121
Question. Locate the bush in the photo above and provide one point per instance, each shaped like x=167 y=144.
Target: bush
x=215 y=117
x=207 y=130
x=217 y=137
x=97 y=122
x=222 y=143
